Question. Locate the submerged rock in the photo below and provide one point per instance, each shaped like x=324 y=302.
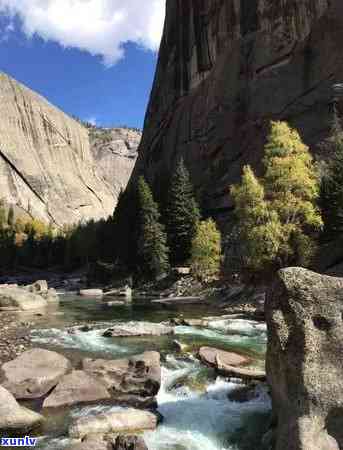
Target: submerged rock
x=92 y=442
x=139 y=329
x=75 y=388
x=34 y=373
x=304 y=359
x=123 y=421
x=13 y=417
x=135 y=381
x=209 y=356
x=130 y=443
x=243 y=394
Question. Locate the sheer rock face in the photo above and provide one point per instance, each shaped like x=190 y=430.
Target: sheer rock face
x=304 y=359
x=115 y=153
x=47 y=166
x=225 y=69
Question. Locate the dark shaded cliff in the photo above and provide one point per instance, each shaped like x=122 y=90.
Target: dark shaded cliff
x=225 y=69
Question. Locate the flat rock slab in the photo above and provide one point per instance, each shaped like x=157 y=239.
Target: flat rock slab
x=34 y=373
x=75 y=388
x=20 y=299
x=91 y=293
x=13 y=417
x=246 y=374
x=209 y=356
x=139 y=329
x=181 y=300
x=133 y=380
x=122 y=421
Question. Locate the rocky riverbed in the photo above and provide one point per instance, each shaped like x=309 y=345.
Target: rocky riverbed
x=196 y=368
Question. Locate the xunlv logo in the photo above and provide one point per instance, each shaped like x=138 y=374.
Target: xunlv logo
x=26 y=441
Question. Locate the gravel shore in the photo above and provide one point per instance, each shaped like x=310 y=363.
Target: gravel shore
x=14 y=336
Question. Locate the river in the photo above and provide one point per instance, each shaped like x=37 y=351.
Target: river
x=192 y=400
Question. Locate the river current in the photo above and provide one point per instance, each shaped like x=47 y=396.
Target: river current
x=197 y=413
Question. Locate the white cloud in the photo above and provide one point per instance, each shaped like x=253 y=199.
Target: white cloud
x=100 y=27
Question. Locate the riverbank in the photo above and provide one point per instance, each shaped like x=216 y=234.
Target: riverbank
x=14 y=336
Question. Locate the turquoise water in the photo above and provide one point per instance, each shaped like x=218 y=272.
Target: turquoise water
x=193 y=402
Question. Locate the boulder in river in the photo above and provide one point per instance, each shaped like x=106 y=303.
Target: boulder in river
x=247 y=374
x=19 y=299
x=304 y=359
x=15 y=418
x=135 y=381
x=34 y=373
x=139 y=329
x=76 y=388
x=209 y=356
x=121 y=421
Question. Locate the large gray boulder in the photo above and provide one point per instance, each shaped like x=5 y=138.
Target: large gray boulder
x=122 y=421
x=304 y=359
x=13 y=417
x=34 y=373
x=16 y=298
x=135 y=381
x=139 y=329
x=76 y=388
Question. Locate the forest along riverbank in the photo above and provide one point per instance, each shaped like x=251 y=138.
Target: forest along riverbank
x=201 y=409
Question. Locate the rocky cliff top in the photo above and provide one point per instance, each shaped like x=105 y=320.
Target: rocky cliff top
x=48 y=166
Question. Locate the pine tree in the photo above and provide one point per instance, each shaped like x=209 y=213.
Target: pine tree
x=182 y=214
x=331 y=190
x=152 y=239
x=278 y=213
x=206 y=251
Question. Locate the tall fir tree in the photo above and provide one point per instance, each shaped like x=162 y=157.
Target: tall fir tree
x=182 y=214
x=152 y=246
x=331 y=192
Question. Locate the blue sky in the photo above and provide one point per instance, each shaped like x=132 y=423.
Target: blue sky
x=97 y=62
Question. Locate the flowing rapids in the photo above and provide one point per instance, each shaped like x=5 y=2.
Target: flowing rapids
x=197 y=413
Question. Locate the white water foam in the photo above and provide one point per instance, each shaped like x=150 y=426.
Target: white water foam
x=194 y=421
x=91 y=341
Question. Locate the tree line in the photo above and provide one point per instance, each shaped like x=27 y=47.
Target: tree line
x=280 y=219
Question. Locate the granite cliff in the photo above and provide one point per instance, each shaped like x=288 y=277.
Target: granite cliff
x=225 y=69
x=49 y=166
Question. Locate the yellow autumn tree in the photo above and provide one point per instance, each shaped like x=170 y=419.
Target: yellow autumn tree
x=206 y=251
x=278 y=214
